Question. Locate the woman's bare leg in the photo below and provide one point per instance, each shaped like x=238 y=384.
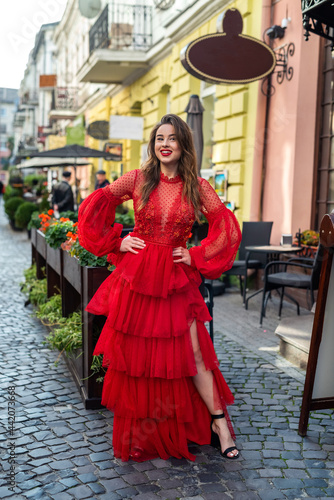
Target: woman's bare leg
x=204 y=383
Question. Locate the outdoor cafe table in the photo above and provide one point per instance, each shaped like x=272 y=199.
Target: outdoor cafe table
x=273 y=252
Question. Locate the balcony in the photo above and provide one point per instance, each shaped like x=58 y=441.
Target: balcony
x=29 y=98
x=318 y=18
x=64 y=103
x=118 y=43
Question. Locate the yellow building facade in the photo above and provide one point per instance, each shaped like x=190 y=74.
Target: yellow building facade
x=229 y=119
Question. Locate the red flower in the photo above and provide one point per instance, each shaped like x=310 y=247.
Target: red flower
x=71 y=235
x=50 y=212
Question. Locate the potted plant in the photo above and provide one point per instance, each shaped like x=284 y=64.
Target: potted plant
x=78 y=274
x=309 y=241
x=81 y=285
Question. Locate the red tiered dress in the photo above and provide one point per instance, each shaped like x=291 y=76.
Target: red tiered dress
x=150 y=303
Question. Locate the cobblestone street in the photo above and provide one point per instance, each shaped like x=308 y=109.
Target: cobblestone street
x=63 y=451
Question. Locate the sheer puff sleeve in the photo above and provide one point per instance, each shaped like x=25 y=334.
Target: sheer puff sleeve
x=96 y=229
x=217 y=252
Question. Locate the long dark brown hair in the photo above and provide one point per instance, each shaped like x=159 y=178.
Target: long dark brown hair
x=187 y=167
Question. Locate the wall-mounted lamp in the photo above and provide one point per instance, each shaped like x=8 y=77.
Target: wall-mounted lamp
x=275 y=32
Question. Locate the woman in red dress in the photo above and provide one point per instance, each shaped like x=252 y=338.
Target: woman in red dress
x=163 y=381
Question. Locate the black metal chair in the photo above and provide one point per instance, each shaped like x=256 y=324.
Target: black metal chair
x=253 y=233
x=281 y=279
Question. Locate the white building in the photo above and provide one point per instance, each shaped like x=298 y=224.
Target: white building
x=8 y=104
x=36 y=94
x=71 y=39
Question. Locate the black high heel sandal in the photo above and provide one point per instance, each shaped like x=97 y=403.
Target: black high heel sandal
x=215 y=442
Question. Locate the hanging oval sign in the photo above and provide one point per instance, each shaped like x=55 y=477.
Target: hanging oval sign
x=228 y=56
x=99 y=130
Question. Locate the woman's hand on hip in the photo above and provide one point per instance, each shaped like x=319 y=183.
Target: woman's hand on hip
x=131 y=243
x=182 y=255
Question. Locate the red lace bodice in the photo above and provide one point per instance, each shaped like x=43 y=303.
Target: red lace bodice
x=166 y=219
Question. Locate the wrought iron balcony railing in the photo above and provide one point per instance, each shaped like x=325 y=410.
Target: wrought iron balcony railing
x=65 y=98
x=122 y=27
x=318 y=18
x=30 y=98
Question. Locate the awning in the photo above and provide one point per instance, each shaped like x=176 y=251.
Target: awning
x=52 y=162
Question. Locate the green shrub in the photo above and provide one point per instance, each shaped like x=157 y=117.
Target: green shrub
x=35 y=289
x=23 y=214
x=12 y=205
x=68 y=336
x=73 y=216
x=50 y=313
x=11 y=192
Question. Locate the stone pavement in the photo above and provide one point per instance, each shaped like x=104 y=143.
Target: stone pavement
x=61 y=451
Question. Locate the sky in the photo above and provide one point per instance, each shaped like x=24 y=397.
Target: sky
x=20 y=21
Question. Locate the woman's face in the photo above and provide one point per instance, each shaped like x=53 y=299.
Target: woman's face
x=166 y=147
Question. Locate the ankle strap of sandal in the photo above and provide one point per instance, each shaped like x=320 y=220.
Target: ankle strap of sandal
x=214 y=417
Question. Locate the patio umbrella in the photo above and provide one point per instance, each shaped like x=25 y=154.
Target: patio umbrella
x=51 y=162
x=194 y=112
x=76 y=151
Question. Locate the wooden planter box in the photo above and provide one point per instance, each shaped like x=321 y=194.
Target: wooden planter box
x=92 y=278
x=70 y=284
x=33 y=240
x=78 y=285
x=38 y=252
x=54 y=267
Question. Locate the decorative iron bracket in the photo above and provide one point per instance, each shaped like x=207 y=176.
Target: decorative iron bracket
x=284 y=70
x=318 y=18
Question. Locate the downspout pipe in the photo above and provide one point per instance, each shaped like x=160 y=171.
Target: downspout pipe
x=266 y=127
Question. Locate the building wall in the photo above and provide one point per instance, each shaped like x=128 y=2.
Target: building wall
x=167 y=87
x=290 y=154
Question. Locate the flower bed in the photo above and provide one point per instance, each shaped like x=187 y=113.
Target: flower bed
x=77 y=274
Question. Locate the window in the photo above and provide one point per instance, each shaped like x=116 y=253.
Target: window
x=3 y=128
x=3 y=111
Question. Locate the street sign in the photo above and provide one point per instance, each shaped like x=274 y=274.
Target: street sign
x=126 y=127
x=228 y=56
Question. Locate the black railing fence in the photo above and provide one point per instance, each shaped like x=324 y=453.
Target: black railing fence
x=122 y=27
